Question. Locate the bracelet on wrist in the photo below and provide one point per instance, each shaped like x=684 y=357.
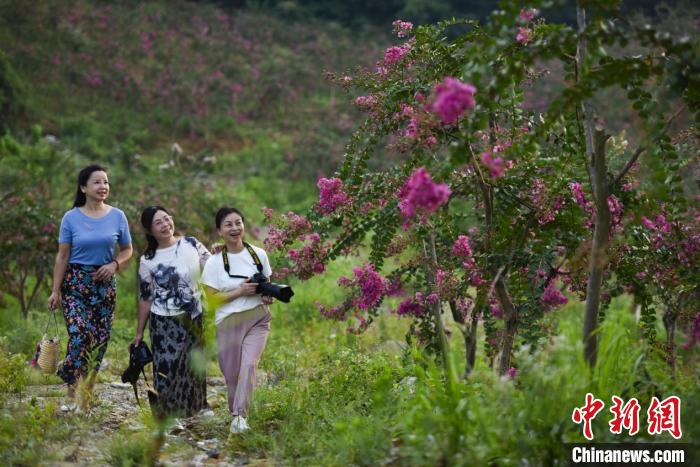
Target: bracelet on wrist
x=117 y=263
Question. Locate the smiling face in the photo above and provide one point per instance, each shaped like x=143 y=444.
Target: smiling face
x=162 y=227
x=97 y=187
x=232 y=229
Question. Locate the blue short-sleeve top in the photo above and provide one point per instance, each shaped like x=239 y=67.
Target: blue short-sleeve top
x=93 y=240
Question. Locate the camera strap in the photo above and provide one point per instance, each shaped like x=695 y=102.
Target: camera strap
x=253 y=254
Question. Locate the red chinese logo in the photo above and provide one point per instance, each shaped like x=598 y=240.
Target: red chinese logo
x=665 y=416
x=587 y=413
x=662 y=416
x=626 y=417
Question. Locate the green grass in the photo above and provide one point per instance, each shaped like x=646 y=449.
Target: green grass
x=333 y=398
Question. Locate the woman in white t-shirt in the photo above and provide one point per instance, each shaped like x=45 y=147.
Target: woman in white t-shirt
x=169 y=273
x=242 y=316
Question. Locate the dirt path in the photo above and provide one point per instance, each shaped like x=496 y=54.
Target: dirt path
x=115 y=417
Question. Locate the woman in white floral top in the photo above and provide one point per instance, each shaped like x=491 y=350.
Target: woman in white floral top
x=170 y=296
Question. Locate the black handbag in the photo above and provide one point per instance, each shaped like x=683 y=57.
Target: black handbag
x=140 y=356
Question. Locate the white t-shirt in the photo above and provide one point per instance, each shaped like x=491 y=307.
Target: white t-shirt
x=241 y=264
x=169 y=279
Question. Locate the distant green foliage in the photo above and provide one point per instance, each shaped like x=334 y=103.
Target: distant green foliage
x=11 y=89
x=13 y=372
x=31 y=198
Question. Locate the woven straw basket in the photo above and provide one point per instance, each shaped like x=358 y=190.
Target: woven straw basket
x=48 y=353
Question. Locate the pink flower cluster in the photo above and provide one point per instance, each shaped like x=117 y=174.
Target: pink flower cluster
x=681 y=239
x=552 y=297
x=338 y=313
x=293 y=227
x=421 y=195
x=402 y=28
x=420 y=124
x=462 y=249
x=580 y=198
x=616 y=207
x=372 y=286
x=495 y=165
x=331 y=195
x=528 y=14
x=308 y=260
x=366 y=103
x=524 y=35
x=369 y=284
x=660 y=224
x=410 y=307
x=546 y=211
x=393 y=54
x=452 y=99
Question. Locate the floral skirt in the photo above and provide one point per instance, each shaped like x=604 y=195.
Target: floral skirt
x=180 y=384
x=88 y=308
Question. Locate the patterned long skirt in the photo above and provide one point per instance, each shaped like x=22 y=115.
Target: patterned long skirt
x=180 y=384
x=88 y=308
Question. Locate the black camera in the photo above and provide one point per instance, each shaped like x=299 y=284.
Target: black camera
x=281 y=292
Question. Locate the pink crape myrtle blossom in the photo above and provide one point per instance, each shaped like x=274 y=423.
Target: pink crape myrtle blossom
x=402 y=28
x=331 y=195
x=410 y=307
x=452 y=99
x=528 y=14
x=366 y=102
x=495 y=165
x=372 y=287
x=616 y=207
x=338 y=313
x=580 y=199
x=421 y=195
x=462 y=247
x=369 y=287
x=524 y=35
x=552 y=297
x=546 y=209
x=393 y=54
x=308 y=260
x=292 y=227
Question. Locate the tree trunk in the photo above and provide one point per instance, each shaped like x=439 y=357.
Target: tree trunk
x=469 y=329
x=670 y=317
x=511 y=320
x=481 y=296
x=435 y=308
x=597 y=170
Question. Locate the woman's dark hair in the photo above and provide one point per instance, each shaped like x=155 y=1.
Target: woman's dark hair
x=83 y=178
x=146 y=221
x=225 y=211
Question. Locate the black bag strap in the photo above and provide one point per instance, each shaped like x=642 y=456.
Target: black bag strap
x=48 y=322
x=136 y=391
x=253 y=254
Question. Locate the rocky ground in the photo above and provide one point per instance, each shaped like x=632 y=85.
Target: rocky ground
x=115 y=414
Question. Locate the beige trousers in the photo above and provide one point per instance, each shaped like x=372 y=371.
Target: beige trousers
x=241 y=339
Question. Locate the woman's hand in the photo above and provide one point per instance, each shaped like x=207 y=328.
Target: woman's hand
x=267 y=300
x=54 y=300
x=105 y=272
x=246 y=288
x=137 y=340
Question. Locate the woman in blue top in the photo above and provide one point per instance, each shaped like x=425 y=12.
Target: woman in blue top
x=83 y=276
